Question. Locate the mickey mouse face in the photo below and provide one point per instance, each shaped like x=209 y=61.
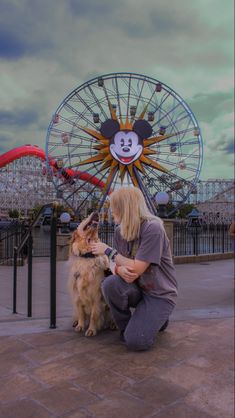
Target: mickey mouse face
x=125 y=147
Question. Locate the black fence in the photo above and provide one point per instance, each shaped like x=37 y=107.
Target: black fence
x=11 y=234
x=41 y=238
x=106 y=232
x=207 y=239
x=204 y=239
x=18 y=240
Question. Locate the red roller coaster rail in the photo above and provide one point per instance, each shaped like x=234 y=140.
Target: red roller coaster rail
x=35 y=151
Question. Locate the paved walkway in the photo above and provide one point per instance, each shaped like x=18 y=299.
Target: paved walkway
x=59 y=373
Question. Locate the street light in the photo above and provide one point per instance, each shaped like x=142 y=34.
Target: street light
x=65 y=219
x=194 y=226
x=162 y=198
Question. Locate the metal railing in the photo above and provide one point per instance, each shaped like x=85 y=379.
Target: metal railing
x=28 y=240
x=11 y=235
x=207 y=239
x=106 y=232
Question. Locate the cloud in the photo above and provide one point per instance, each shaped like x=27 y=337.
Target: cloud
x=20 y=118
x=91 y=8
x=50 y=48
x=24 y=29
x=4 y=143
x=218 y=138
x=230 y=147
x=11 y=47
x=208 y=106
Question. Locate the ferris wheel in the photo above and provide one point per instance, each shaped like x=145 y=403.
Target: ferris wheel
x=123 y=129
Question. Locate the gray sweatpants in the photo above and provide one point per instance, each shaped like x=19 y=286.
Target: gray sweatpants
x=141 y=326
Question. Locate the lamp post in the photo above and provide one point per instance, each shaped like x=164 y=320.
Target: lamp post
x=65 y=219
x=162 y=198
x=194 y=226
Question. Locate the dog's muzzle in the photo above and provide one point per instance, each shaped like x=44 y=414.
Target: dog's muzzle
x=93 y=221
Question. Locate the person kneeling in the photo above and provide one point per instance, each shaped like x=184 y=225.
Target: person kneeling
x=143 y=272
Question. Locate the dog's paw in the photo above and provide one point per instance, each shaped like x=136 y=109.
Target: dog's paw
x=90 y=332
x=75 y=324
x=112 y=326
x=79 y=328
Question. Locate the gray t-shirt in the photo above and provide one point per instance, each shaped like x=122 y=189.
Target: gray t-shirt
x=153 y=246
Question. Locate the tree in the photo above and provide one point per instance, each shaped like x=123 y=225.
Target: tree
x=184 y=210
x=13 y=213
x=170 y=207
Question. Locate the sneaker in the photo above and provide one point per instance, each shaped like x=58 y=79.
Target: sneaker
x=164 y=326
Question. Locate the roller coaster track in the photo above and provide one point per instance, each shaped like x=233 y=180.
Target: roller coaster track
x=35 y=151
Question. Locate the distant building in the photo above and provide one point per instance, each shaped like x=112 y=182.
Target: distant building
x=215 y=200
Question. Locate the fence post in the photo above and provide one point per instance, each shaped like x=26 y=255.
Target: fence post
x=194 y=243
x=14 y=280
x=30 y=248
x=223 y=238
x=53 y=270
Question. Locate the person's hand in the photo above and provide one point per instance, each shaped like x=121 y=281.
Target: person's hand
x=127 y=274
x=98 y=248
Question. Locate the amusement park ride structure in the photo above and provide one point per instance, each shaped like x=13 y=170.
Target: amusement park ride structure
x=215 y=200
x=24 y=184
x=116 y=129
x=25 y=181
x=125 y=129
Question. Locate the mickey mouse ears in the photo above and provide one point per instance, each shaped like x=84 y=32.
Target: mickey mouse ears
x=141 y=127
x=109 y=128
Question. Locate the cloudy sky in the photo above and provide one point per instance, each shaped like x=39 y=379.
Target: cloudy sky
x=48 y=48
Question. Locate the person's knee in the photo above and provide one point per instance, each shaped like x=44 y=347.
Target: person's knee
x=109 y=287
x=138 y=342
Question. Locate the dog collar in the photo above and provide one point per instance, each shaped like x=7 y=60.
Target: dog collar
x=88 y=255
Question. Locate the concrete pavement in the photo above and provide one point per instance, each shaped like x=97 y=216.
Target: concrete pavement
x=59 y=373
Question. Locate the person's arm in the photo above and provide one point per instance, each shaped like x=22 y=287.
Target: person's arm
x=137 y=267
x=126 y=273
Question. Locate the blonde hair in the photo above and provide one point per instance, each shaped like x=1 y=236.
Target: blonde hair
x=130 y=206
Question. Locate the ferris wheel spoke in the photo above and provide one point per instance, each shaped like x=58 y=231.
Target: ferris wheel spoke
x=107 y=99
x=189 y=141
x=175 y=165
x=85 y=103
x=159 y=138
x=181 y=155
x=149 y=173
x=176 y=121
x=98 y=103
x=128 y=84
x=101 y=178
x=108 y=185
x=160 y=105
x=118 y=98
x=167 y=114
x=145 y=192
x=143 y=82
x=80 y=115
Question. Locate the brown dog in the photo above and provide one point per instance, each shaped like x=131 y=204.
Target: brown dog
x=86 y=275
